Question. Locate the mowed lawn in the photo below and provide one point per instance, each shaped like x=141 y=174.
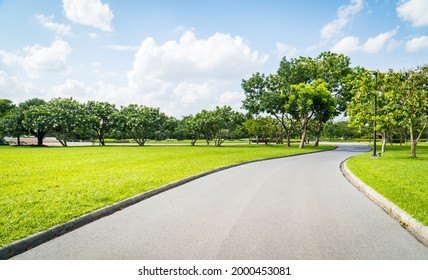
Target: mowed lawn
x=399 y=178
x=43 y=187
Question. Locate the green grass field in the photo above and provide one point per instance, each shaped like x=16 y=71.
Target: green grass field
x=43 y=187
x=396 y=176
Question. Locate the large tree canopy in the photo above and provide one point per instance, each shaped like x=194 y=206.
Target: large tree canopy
x=289 y=95
x=401 y=100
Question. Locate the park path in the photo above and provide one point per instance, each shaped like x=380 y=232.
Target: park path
x=291 y=208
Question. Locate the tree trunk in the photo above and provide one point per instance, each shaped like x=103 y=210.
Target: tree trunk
x=101 y=138
x=412 y=143
x=317 y=140
x=62 y=142
x=384 y=140
x=304 y=128
x=287 y=134
x=302 y=142
x=401 y=141
x=40 y=140
x=18 y=140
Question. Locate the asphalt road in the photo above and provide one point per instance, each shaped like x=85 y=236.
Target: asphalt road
x=291 y=208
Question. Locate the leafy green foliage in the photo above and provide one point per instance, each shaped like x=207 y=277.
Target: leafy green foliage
x=64 y=117
x=401 y=99
x=36 y=118
x=100 y=118
x=293 y=95
x=140 y=122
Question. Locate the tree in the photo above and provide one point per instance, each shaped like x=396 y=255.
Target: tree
x=270 y=95
x=217 y=124
x=411 y=101
x=65 y=116
x=36 y=118
x=224 y=121
x=139 y=122
x=324 y=106
x=100 y=118
x=335 y=70
x=339 y=129
x=310 y=100
x=262 y=128
x=6 y=106
x=401 y=101
x=12 y=124
x=191 y=128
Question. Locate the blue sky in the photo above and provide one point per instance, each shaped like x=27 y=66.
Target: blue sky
x=186 y=55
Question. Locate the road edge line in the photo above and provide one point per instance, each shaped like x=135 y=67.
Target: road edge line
x=413 y=226
x=20 y=246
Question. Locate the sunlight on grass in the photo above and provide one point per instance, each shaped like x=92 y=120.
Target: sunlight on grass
x=43 y=187
x=399 y=178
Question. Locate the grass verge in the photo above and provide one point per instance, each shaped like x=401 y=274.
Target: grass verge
x=44 y=187
x=397 y=177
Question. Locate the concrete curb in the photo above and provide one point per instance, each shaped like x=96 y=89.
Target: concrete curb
x=39 y=238
x=418 y=230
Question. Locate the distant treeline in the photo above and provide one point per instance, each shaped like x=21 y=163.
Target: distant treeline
x=299 y=100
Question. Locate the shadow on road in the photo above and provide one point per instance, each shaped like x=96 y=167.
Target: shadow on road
x=353 y=148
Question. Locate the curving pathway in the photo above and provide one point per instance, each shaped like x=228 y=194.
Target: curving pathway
x=290 y=208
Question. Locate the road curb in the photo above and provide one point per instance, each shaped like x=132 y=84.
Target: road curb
x=39 y=238
x=418 y=230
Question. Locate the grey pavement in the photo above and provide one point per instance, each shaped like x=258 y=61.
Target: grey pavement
x=290 y=208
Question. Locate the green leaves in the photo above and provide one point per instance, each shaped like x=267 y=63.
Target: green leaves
x=302 y=88
x=140 y=122
x=401 y=101
x=217 y=124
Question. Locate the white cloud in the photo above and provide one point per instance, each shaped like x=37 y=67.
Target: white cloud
x=347 y=45
x=344 y=15
x=92 y=35
x=190 y=74
x=50 y=24
x=417 y=44
x=17 y=90
x=221 y=56
x=89 y=12
x=73 y=88
x=286 y=50
x=122 y=48
x=39 y=59
x=414 y=11
x=373 y=45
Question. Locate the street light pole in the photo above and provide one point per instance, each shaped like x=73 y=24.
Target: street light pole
x=374 y=115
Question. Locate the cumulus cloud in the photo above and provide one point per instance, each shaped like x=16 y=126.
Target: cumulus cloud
x=39 y=59
x=414 y=11
x=73 y=88
x=190 y=74
x=344 y=15
x=417 y=44
x=286 y=50
x=89 y=12
x=373 y=45
x=347 y=45
x=122 y=48
x=16 y=89
x=50 y=24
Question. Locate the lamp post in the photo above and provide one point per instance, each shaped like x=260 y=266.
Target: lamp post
x=374 y=115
